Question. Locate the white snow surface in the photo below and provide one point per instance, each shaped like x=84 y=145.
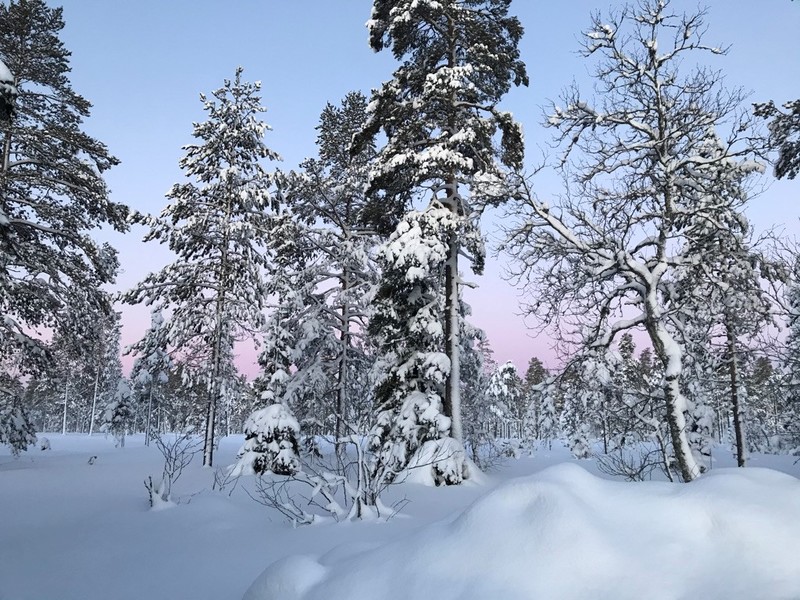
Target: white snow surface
x=540 y=527
x=566 y=534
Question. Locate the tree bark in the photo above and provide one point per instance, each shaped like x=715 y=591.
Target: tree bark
x=452 y=400
x=149 y=414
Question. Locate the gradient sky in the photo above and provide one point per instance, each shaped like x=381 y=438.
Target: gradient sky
x=142 y=65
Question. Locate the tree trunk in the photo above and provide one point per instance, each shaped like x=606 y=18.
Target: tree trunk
x=66 y=399
x=738 y=417
x=670 y=354
x=452 y=400
x=341 y=384
x=94 y=402
x=149 y=414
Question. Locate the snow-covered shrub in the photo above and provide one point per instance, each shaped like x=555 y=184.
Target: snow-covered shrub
x=270 y=444
x=439 y=462
x=178 y=451
x=16 y=429
x=44 y=444
x=344 y=486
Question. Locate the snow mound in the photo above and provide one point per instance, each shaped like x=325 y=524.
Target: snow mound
x=564 y=533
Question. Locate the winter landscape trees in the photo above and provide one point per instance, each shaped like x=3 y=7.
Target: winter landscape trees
x=441 y=120
x=668 y=319
x=345 y=273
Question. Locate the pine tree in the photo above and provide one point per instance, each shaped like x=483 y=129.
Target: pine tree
x=784 y=135
x=324 y=278
x=440 y=117
x=118 y=413
x=151 y=367
x=216 y=225
x=52 y=192
x=533 y=390
x=270 y=444
x=409 y=394
x=506 y=393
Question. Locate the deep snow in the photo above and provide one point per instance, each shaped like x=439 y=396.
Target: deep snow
x=69 y=529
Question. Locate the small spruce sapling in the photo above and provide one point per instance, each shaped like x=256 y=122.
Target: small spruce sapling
x=270 y=444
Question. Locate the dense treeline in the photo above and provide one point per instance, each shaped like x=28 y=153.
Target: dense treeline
x=348 y=270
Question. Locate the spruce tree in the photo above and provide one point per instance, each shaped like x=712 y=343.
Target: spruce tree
x=216 y=224
x=446 y=140
x=52 y=192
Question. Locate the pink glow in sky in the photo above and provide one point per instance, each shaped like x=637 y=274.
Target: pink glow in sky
x=142 y=65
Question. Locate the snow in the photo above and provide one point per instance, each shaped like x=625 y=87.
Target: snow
x=567 y=534
x=71 y=530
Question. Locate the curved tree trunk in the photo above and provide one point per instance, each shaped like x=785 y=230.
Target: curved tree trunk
x=670 y=354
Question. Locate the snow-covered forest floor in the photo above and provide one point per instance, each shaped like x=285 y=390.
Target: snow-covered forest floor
x=70 y=529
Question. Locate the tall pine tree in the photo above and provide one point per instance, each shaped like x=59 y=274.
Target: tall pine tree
x=445 y=137
x=52 y=192
x=216 y=225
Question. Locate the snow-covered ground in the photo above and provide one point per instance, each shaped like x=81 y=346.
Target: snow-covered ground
x=70 y=529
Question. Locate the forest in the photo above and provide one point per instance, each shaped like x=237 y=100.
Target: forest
x=347 y=272
x=675 y=323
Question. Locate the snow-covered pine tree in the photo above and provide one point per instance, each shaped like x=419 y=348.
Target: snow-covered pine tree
x=150 y=368
x=648 y=164
x=407 y=327
x=270 y=443
x=102 y=363
x=52 y=193
x=476 y=367
x=784 y=135
x=324 y=278
x=445 y=136
x=216 y=224
x=118 y=413
x=790 y=420
x=506 y=394
x=766 y=407
x=16 y=429
x=533 y=389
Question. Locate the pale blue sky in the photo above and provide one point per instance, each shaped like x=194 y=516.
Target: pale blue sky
x=142 y=64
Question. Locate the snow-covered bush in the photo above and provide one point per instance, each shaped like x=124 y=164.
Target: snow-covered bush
x=178 y=451
x=344 y=486
x=270 y=444
x=16 y=429
x=439 y=462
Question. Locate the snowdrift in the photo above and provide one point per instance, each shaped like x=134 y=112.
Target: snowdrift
x=566 y=534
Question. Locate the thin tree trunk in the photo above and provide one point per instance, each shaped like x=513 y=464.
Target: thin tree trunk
x=341 y=384
x=66 y=399
x=738 y=417
x=213 y=391
x=94 y=402
x=452 y=400
x=149 y=415
x=216 y=356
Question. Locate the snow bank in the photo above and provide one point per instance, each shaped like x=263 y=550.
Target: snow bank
x=566 y=534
